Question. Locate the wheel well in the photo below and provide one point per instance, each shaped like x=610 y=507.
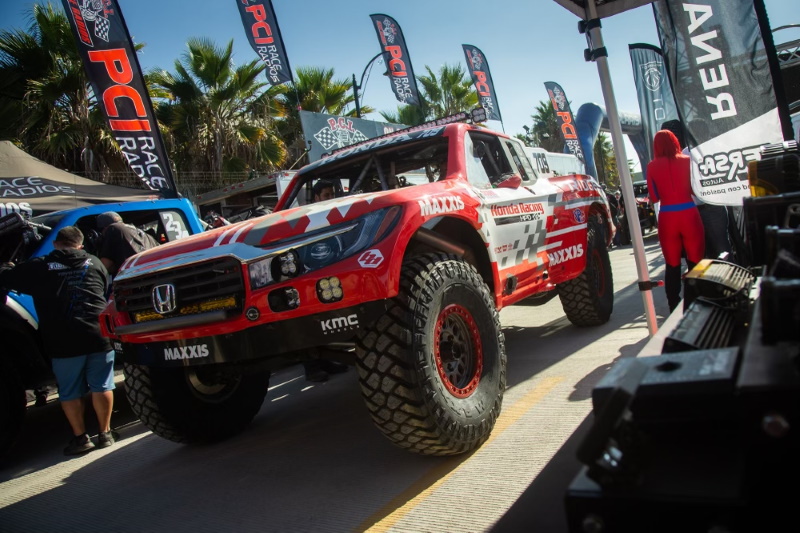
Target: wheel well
x=452 y=231
x=598 y=210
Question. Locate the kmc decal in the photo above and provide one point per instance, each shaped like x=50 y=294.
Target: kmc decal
x=339 y=324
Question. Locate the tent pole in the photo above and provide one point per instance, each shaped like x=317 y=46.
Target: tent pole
x=622 y=165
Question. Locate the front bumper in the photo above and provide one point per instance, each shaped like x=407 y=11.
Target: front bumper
x=267 y=341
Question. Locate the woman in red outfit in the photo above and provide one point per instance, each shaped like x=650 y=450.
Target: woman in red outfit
x=680 y=228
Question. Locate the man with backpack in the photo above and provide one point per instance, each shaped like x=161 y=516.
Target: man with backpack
x=119 y=241
x=68 y=287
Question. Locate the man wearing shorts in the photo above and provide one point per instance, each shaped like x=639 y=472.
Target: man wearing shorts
x=68 y=287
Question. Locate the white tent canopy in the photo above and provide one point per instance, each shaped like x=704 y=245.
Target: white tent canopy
x=603 y=8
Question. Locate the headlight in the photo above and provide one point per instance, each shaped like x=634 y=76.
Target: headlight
x=315 y=250
x=334 y=245
x=260 y=273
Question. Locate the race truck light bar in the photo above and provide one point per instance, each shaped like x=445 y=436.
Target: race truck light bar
x=476 y=116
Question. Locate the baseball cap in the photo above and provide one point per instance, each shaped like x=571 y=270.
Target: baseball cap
x=106 y=219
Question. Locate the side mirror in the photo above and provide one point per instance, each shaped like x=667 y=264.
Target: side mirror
x=509 y=181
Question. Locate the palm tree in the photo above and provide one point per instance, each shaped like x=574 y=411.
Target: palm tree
x=46 y=104
x=448 y=93
x=546 y=132
x=219 y=116
x=315 y=89
x=410 y=115
x=606 y=162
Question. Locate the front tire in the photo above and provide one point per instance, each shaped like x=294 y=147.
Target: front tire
x=191 y=405
x=588 y=300
x=432 y=369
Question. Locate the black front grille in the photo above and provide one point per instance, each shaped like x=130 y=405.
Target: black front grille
x=197 y=288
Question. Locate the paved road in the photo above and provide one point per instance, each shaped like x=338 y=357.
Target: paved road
x=312 y=461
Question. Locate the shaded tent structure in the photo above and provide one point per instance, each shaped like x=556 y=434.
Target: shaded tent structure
x=32 y=187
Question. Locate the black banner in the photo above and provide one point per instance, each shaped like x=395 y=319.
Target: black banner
x=116 y=79
x=656 y=102
x=718 y=66
x=565 y=121
x=396 y=58
x=482 y=78
x=264 y=35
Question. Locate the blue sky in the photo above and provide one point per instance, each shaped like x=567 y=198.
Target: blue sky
x=526 y=42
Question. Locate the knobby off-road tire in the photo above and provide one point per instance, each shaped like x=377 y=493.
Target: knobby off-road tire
x=12 y=406
x=433 y=368
x=188 y=405
x=588 y=300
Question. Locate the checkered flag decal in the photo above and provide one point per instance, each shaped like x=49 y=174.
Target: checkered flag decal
x=326 y=138
x=329 y=139
x=101 y=27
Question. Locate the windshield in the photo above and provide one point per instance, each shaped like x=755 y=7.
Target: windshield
x=402 y=164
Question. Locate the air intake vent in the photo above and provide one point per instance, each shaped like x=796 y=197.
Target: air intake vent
x=703 y=326
x=199 y=288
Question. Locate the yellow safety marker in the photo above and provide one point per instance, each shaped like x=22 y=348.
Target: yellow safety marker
x=405 y=502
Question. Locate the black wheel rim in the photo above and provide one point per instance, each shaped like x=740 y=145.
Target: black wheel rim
x=458 y=350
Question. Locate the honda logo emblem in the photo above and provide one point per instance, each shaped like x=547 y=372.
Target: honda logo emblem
x=164 y=298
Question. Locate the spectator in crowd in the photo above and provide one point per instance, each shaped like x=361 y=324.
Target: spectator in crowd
x=680 y=228
x=68 y=287
x=716 y=225
x=323 y=190
x=119 y=241
x=613 y=204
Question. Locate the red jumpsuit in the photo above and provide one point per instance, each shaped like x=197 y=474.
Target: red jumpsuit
x=669 y=182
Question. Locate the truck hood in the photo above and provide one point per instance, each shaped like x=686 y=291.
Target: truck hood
x=259 y=232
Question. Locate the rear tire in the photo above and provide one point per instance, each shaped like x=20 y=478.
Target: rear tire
x=433 y=368
x=190 y=405
x=588 y=300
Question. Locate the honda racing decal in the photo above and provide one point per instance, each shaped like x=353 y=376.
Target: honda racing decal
x=518 y=212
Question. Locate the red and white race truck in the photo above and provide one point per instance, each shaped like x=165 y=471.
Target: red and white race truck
x=442 y=225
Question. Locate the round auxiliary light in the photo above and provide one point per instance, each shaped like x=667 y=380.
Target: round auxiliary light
x=326 y=295
x=288 y=264
x=324 y=284
x=337 y=292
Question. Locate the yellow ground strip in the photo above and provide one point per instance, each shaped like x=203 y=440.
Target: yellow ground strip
x=406 y=501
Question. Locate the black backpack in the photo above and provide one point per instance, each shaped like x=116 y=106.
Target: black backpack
x=143 y=241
